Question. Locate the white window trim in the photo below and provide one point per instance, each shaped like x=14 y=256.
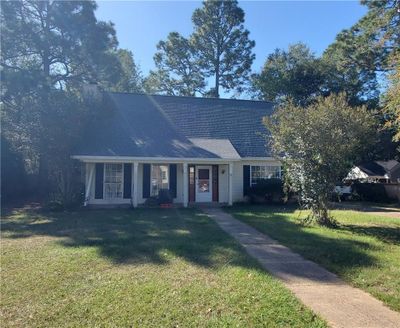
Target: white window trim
x=264 y=165
x=151 y=178
x=104 y=183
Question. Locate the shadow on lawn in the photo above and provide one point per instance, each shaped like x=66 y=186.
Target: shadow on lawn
x=337 y=253
x=153 y=235
x=390 y=235
x=134 y=236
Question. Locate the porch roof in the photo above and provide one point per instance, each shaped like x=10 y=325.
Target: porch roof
x=222 y=148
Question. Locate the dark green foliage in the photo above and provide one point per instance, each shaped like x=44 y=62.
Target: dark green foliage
x=355 y=63
x=59 y=42
x=295 y=74
x=49 y=50
x=371 y=192
x=164 y=196
x=13 y=174
x=392 y=102
x=267 y=191
x=151 y=202
x=131 y=79
x=178 y=72
x=54 y=206
x=219 y=49
x=318 y=145
x=223 y=44
x=360 y=54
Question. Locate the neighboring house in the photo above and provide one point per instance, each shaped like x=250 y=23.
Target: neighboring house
x=376 y=171
x=201 y=149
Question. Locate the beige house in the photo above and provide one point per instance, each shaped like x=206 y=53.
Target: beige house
x=202 y=150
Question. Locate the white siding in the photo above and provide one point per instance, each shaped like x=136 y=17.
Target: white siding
x=237 y=183
x=223 y=187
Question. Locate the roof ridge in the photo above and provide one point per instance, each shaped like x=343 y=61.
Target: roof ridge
x=191 y=97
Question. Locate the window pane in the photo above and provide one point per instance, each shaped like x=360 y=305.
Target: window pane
x=260 y=172
x=204 y=173
x=113 y=179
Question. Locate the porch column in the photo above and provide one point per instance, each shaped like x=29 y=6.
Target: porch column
x=230 y=184
x=185 y=185
x=135 y=184
x=90 y=169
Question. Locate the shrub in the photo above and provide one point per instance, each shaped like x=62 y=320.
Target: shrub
x=371 y=192
x=54 y=206
x=164 y=196
x=267 y=191
x=151 y=202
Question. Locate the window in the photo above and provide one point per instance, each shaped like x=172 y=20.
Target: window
x=159 y=178
x=204 y=180
x=262 y=172
x=113 y=181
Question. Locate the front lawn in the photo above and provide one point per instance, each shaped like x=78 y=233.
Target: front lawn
x=139 y=268
x=364 y=250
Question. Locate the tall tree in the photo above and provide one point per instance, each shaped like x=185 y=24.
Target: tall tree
x=178 y=71
x=131 y=79
x=360 y=54
x=219 y=49
x=294 y=74
x=318 y=146
x=392 y=100
x=223 y=44
x=58 y=42
x=60 y=45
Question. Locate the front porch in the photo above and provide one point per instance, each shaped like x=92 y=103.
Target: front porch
x=131 y=183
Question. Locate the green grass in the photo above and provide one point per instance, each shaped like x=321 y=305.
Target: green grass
x=140 y=268
x=364 y=250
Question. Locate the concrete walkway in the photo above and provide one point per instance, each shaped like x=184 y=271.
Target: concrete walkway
x=335 y=301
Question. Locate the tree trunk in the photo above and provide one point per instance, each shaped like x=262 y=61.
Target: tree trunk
x=43 y=164
x=216 y=90
x=217 y=67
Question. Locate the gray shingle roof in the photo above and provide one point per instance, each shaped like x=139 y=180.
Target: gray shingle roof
x=141 y=125
x=379 y=168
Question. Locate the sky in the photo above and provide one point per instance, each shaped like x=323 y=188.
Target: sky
x=140 y=25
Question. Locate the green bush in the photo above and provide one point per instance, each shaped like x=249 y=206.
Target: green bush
x=151 y=202
x=267 y=191
x=164 y=196
x=371 y=192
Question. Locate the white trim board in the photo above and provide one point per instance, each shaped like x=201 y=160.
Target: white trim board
x=122 y=159
x=149 y=160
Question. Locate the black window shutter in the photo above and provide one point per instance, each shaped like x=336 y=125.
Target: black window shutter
x=127 y=180
x=172 y=180
x=98 y=190
x=246 y=179
x=146 y=180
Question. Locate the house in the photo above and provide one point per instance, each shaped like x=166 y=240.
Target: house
x=376 y=171
x=202 y=149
